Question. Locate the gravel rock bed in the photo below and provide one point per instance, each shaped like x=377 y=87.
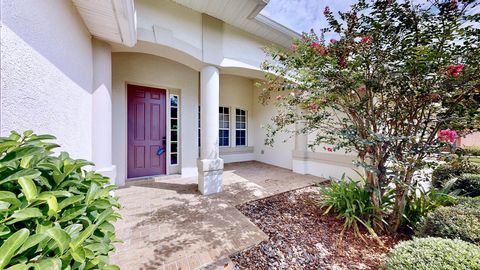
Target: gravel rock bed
x=301 y=237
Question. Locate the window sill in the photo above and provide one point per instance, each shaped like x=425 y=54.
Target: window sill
x=236 y=150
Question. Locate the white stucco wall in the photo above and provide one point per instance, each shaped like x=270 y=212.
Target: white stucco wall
x=46 y=73
x=154 y=71
x=242 y=49
x=237 y=92
x=281 y=152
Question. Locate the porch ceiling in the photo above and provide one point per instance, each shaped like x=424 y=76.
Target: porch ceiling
x=111 y=20
x=244 y=15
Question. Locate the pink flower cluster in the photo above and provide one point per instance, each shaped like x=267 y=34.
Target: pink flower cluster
x=447 y=135
x=326 y=11
x=318 y=48
x=365 y=39
x=454 y=3
x=333 y=41
x=454 y=70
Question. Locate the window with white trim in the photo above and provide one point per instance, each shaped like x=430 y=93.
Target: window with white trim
x=174 y=111
x=240 y=127
x=224 y=126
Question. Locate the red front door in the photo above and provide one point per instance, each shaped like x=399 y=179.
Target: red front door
x=147 y=143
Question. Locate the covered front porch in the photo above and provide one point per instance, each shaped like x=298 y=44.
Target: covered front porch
x=168 y=224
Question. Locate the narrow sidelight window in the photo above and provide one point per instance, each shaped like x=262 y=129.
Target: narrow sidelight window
x=241 y=127
x=224 y=124
x=174 y=123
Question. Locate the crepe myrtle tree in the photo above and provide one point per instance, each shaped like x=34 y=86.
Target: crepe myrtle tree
x=395 y=75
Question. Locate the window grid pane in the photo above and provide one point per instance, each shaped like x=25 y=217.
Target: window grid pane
x=241 y=127
x=174 y=123
x=224 y=126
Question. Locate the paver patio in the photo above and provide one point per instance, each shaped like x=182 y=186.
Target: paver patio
x=168 y=224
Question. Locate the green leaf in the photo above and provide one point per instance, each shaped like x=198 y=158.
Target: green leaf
x=20 y=152
x=28 y=188
x=61 y=238
x=4 y=230
x=32 y=241
x=78 y=254
x=30 y=173
x=103 y=216
x=83 y=236
x=72 y=213
x=92 y=191
x=14 y=242
x=9 y=197
x=24 y=214
x=111 y=267
x=20 y=266
x=48 y=264
x=71 y=200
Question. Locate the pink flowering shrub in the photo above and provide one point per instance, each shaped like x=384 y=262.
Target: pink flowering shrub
x=447 y=135
x=395 y=77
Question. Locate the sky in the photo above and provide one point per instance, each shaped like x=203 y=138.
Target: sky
x=303 y=15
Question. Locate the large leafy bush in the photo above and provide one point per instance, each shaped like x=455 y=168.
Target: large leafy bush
x=467 y=185
x=53 y=213
x=445 y=172
x=434 y=253
x=471 y=150
x=461 y=221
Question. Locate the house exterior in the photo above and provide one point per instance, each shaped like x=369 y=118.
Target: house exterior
x=149 y=87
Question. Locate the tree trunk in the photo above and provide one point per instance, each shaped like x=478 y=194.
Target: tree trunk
x=373 y=186
x=401 y=191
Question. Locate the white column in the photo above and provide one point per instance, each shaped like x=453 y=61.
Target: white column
x=102 y=109
x=299 y=160
x=210 y=166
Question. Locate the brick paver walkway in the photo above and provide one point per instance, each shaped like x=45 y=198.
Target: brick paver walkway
x=168 y=224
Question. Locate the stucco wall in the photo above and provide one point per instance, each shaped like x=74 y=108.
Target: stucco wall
x=237 y=92
x=281 y=152
x=154 y=71
x=46 y=73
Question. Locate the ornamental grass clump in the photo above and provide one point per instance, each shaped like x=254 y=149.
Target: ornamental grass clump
x=434 y=253
x=461 y=221
x=53 y=213
x=350 y=201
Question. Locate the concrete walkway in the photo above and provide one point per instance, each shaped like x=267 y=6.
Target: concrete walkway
x=168 y=224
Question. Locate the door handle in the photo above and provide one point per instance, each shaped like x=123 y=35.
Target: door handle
x=164 y=141
x=160 y=151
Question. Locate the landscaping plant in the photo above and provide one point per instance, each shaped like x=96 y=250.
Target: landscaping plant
x=446 y=172
x=434 y=253
x=421 y=201
x=350 y=200
x=461 y=221
x=393 y=77
x=53 y=213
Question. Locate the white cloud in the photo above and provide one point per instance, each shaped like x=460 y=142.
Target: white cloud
x=303 y=15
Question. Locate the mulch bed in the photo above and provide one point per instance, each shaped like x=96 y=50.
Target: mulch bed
x=301 y=237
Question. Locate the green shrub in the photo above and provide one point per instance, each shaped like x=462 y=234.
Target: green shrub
x=53 y=214
x=461 y=221
x=434 y=253
x=420 y=203
x=350 y=200
x=443 y=173
x=467 y=185
x=471 y=150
